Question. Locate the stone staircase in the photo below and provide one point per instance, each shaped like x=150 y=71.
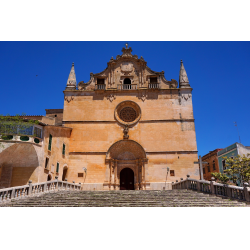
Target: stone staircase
x=169 y=198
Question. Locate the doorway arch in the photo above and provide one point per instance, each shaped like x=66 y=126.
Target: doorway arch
x=126 y=154
x=127 y=179
x=49 y=178
x=64 y=175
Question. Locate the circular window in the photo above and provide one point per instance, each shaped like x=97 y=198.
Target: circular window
x=127 y=113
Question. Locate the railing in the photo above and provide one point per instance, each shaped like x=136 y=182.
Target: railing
x=153 y=85
x=30 y=139
x=7 y=194
x=212 y=187
x=126 y=86
x=100 y=86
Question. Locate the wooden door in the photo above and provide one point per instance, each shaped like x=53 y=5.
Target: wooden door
x=127 y=179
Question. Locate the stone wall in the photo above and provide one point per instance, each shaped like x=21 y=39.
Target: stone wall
x=166 y=132
x=19 y=163
x=60 y=136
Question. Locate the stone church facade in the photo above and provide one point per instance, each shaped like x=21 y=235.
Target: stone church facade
x=126 y=128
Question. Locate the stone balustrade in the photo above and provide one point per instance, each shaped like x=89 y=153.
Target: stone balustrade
x=212 y=187
x=126 y=86
x=17 y=138
x=153 y=85
x=7 y=194
x=100 y=86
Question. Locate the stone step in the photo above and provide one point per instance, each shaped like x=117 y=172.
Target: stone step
x=138 y=198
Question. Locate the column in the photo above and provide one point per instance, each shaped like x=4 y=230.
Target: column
x=115 y=174
x=201 y=168
x=137 y=175
x=110 y=173
x=143 y=175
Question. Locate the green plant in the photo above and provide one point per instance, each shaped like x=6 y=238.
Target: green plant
x=222 y=178
x=15 y=125
x=237 y=170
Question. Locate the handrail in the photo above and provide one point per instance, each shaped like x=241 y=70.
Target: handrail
x=126 y=86
x=214 y=188
x=100 y=86
x=154 y=85
x=7 y=194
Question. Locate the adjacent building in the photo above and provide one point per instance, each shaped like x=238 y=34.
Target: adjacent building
x=212 y=163
x=231 y=152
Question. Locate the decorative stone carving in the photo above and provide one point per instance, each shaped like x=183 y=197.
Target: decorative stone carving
x=143 y=97
x=125 y=132
x=111 y=97
x=128 y=113
x=69 y=98
x=82 y=85
x=173 y=83
x=183 y=78
x=119 y=147
x=126 y=67
x=186 y=96
x=71 y=83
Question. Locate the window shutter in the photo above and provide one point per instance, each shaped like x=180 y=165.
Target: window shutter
x=57 y=167
x=63 y=151
x=50 y=142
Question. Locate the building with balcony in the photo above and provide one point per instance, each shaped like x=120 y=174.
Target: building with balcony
x=128 y=127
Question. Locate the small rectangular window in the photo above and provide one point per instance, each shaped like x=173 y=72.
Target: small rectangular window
x=214 y=165
x=208 y=168
x=171 y=172
x=50 y=142
x=47 y=162
x=57 y=167
x=63 y=149
x=204 y=170
x=80 y=174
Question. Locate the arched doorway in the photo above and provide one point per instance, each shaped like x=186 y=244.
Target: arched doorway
x=127 y=179
x=49 y=178
x=65 y=169
x=126 y=161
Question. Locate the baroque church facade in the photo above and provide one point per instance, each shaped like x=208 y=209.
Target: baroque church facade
x=126 y=128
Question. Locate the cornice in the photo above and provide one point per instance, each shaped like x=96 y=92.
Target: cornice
x=141 y=121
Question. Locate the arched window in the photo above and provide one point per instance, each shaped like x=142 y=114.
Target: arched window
x=127 y=83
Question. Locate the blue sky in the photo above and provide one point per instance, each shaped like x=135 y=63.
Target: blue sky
x=218 y=72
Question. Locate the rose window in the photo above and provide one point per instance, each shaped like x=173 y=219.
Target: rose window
x=128 y=114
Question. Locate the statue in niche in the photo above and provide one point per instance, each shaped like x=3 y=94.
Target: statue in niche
x=125 y=132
